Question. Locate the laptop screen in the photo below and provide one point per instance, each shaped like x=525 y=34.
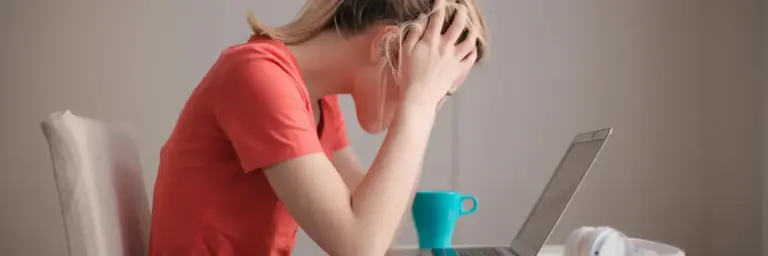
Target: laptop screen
x=557 y=194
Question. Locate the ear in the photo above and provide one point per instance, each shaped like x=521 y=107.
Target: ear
x=382 y=39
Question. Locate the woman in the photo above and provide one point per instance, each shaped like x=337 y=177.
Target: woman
x=260 y=146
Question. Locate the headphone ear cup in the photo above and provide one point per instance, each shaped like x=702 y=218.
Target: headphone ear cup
x=613 y=243
x=589 y=243
x=575 y=240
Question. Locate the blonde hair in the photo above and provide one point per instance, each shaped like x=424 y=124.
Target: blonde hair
x=353 y=16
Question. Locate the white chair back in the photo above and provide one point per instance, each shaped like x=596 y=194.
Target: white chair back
x=100 y=185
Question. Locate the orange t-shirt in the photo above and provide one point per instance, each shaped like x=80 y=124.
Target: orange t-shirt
x=250 y=111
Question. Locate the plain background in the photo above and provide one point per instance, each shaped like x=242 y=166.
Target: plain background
x=682 y=82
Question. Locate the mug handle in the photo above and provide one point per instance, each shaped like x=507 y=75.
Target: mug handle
x=474 y=205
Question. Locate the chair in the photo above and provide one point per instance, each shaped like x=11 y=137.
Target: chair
x=98 y=175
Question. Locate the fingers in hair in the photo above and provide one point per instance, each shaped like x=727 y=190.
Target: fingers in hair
x=413 y=32
x=458 y=26
x=436 y=20
x=468 y=45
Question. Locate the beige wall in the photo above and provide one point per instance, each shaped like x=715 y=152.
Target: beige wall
x=578 y=65
x=676 y=79
x=765 y=149
x=765 y=128
x=731 y=98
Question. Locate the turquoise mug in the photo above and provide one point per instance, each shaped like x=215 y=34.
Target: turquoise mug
x=435 y=214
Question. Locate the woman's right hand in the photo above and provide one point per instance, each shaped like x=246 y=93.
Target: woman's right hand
x=432 y=64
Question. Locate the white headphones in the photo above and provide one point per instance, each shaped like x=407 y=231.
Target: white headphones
x=601 y=241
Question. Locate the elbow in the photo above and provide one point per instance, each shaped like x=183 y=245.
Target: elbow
x=362 y=245
x=360 y=251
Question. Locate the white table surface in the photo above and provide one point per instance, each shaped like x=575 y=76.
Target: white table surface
x=557 y=250
x=548 y=250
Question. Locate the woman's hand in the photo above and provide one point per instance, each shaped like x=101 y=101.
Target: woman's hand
x=432 y=64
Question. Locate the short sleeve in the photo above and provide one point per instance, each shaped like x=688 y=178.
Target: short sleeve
x=264 y=111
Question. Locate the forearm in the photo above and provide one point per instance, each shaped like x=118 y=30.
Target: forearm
x=353 y=177
x=349 y=167
x=363 y=220
x=384 y=193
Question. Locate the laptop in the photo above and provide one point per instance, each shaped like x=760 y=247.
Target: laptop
x=548 y=209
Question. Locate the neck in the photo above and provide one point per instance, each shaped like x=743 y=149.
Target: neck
x=322 y=62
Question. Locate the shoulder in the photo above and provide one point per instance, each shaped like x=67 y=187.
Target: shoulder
x=260 y=56
x=262 y=106
x=261 y=69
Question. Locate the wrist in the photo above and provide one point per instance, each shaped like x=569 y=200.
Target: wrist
x=416 y=110
x=414 y=121
x=418 y=97
x=414 y=114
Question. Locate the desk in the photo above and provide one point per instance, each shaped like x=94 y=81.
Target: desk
x=661 y=249
x=557 y=250
x=550 y=250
